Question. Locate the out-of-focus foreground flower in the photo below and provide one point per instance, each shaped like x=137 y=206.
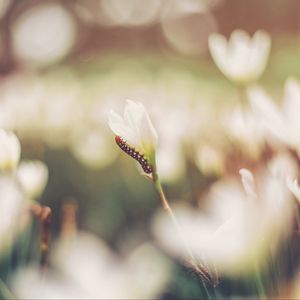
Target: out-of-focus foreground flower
x=32 y=176
x=244 y=223
x=282 y=123
x=294 y=187
x=242 y=59
x=11 y=209
x=85 y=268
x=245 y=132
x=11 y=196
x=210 y=161
x=10 y=151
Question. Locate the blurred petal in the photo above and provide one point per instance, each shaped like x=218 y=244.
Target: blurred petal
x=10 y=151
x=218 y=49
x=248 y=183
x=294 y=187
x=267 y=112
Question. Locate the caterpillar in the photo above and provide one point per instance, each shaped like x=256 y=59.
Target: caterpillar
x=134 y=154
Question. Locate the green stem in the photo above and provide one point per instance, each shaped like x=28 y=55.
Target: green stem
x=197 y=266
x=162 y=196
x=242 y=92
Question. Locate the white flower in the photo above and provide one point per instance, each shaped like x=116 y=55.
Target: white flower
x=93 y=147
x=173 y=118
x=135 y=128
x=282 y=122
x=284 y=166
x=241 y=59
x=294 y=187
x=10 y=150
x=33 y=176
x=244 y=130
x=242 y=225
x=170 y=167
x=11 y=203
x=210 y=160
x=86 y=268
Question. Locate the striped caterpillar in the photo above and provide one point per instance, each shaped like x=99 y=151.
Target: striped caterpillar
x=135 y=154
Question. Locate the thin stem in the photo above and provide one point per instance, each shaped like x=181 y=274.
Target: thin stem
x=242 y=92
x=43 y=215
x=198 y=267
x=162 y=196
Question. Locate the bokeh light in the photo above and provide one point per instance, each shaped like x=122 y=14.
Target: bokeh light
x=37 y=42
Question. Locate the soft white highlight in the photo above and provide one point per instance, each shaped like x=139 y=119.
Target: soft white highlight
x=242 y=59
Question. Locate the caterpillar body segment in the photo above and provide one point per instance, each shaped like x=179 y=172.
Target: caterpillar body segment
x=134 y=154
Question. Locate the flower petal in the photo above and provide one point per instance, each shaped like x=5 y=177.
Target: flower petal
x=119 y=127
x=268 y=113
x=291 y=102
x=133 y=114
x=294 y=187
x=218 y=49
x=260 y=50
x=248 y=183
x=138 y=119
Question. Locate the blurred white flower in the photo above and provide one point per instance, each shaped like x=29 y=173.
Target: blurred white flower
x=173 y=119
x=11 y=203
x=20 y=106
x=283 y=123
x=135 y=128
x=62 y=110
x=294 y=187
x=187 y=33
x=130 y=13
x=244 y=130
x=170 y=162
x=176 y=8
x=85 y=268
x=242 y=59
x=210 y=160
x=284 y=166
x=93 y=147
x=32 y=176
x=242 y=228
x=10 y=150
